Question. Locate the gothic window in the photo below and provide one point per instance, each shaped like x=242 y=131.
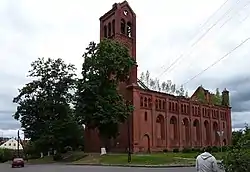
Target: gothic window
x=149 y=102
x=164 y=105
x=105 y=31
x=156 y=104
x=192 y=110
x=129 y=28
x=159 y=104
x=181 y=108
x=185 y=108
x=145 y=102
x=169 y=106
x=109 y=29
x=113 y=27
x=141 y=101
x=123 y=27
x=145 y=116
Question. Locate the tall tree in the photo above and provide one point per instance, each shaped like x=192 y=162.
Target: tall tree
x=166 y=87
x=182 y=91
x=99 y=105
x=44 y=105
x=147 y=79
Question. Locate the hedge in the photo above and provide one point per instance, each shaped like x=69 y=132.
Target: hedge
x=8 y=154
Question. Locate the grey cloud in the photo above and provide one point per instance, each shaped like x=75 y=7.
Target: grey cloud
x=239 y=125
x=7 y=121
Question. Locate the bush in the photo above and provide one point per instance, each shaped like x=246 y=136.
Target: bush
x=186 y=150
x=176 y=150
x=215 y=149
x=57 y=157
x=237 y=160
x=6 y=155
x=165 y=150
x=196 y=150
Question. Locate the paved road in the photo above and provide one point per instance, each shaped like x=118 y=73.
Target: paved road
x=67 y=168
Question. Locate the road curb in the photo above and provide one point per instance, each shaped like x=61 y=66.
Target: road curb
x=134 y=165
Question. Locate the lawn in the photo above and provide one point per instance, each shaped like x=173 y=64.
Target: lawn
x=147 y=159
x=66 y=158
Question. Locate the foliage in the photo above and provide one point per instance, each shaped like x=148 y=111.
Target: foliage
x=99 y=105
x=44 y=105
x=216 y=98
x=201 y=97
x=236 y=136
x=237 y=159
x=166 y=87
x=5 y=155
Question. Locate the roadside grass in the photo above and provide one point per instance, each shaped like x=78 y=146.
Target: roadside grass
x=147 y=159
x=66 y=158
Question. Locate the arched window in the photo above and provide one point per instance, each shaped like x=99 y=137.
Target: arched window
x=109 y=29
x=113 y=27
x=129 y=29
x=141 y=101
x=159 y=102
x=123 y=27
x=145 y=116
x=145 y=102
x=105 y=31
x=156 y=104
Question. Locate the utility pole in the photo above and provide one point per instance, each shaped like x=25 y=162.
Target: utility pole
x=129 y=143
x=18 y=154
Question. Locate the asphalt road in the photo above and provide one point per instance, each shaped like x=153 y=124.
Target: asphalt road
x=69 y=168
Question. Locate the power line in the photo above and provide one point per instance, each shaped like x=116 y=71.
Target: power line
x=217 y=60
x=208 y=19
x=203 y=35
x=190 y=62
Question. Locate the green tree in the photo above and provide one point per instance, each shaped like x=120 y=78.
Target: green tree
x=99 y=105
x=44 y=105
x=201 y=97
x=217 y=97
x=182 y=91
x=237 y=159
x=236 y=136
x=165 y=87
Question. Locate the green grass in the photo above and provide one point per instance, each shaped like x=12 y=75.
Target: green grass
x=44 y=160
x=67 y=157
x=147 y=159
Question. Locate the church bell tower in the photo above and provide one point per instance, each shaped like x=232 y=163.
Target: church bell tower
x=119 y=24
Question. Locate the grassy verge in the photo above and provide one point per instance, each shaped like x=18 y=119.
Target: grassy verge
x=66 y=158
x=144 y=159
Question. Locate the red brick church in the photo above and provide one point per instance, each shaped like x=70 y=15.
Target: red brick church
x=160 y=121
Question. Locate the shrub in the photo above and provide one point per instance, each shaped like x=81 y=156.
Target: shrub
x=176 y=150
x=196 y=150
x=237 y=160
x=5 y=155
x=57 y=157
x=165 y=150
x=186 y=150
x=215 y=149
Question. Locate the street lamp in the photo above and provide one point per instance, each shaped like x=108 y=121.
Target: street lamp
x=220 y=133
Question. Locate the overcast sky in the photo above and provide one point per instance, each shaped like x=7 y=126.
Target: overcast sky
x=165 y=30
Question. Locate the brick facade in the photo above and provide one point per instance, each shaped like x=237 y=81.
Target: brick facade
x=159 y=121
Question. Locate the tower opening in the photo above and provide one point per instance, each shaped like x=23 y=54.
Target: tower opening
x=129 y=32
x=123 y=26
